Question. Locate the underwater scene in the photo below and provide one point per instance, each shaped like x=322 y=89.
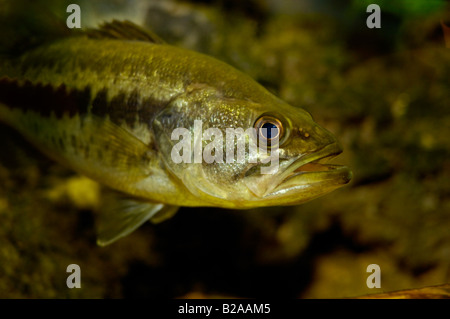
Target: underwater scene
x=119 y=179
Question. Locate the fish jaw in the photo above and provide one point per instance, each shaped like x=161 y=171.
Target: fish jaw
x=301 y=179
x=306 y=186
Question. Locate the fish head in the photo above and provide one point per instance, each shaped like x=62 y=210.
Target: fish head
x=280 y=159
x=300 y=171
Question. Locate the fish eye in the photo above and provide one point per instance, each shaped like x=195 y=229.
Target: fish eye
x=269 y=128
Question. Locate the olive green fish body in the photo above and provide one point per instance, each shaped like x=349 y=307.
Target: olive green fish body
x=74 y=88
x=106 y=102
x=85 y=116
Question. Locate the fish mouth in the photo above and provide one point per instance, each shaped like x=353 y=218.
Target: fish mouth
x=314 y=162
x=309 y=176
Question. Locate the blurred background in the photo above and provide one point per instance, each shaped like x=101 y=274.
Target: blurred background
x=385 y=94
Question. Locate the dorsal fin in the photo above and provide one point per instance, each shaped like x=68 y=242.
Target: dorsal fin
x=124 y=30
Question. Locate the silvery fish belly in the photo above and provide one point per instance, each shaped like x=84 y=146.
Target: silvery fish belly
x=163 y=127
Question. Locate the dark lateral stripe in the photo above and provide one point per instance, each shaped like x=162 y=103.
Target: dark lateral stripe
x=126 y=108
x=44 y=99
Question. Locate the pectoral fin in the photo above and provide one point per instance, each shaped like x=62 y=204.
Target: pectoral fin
x=165 y=213
x=121 y=215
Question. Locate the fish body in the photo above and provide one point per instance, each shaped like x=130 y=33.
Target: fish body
x=106 y=103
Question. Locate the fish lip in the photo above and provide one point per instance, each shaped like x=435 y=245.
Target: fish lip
x=327 y=152
x=292 y=185
x=281 y=184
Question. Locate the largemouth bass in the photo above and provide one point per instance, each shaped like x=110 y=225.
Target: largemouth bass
x=106 y=102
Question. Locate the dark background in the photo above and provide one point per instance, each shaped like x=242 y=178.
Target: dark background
x=383 y=92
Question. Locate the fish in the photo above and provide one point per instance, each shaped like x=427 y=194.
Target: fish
x=105 y=102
